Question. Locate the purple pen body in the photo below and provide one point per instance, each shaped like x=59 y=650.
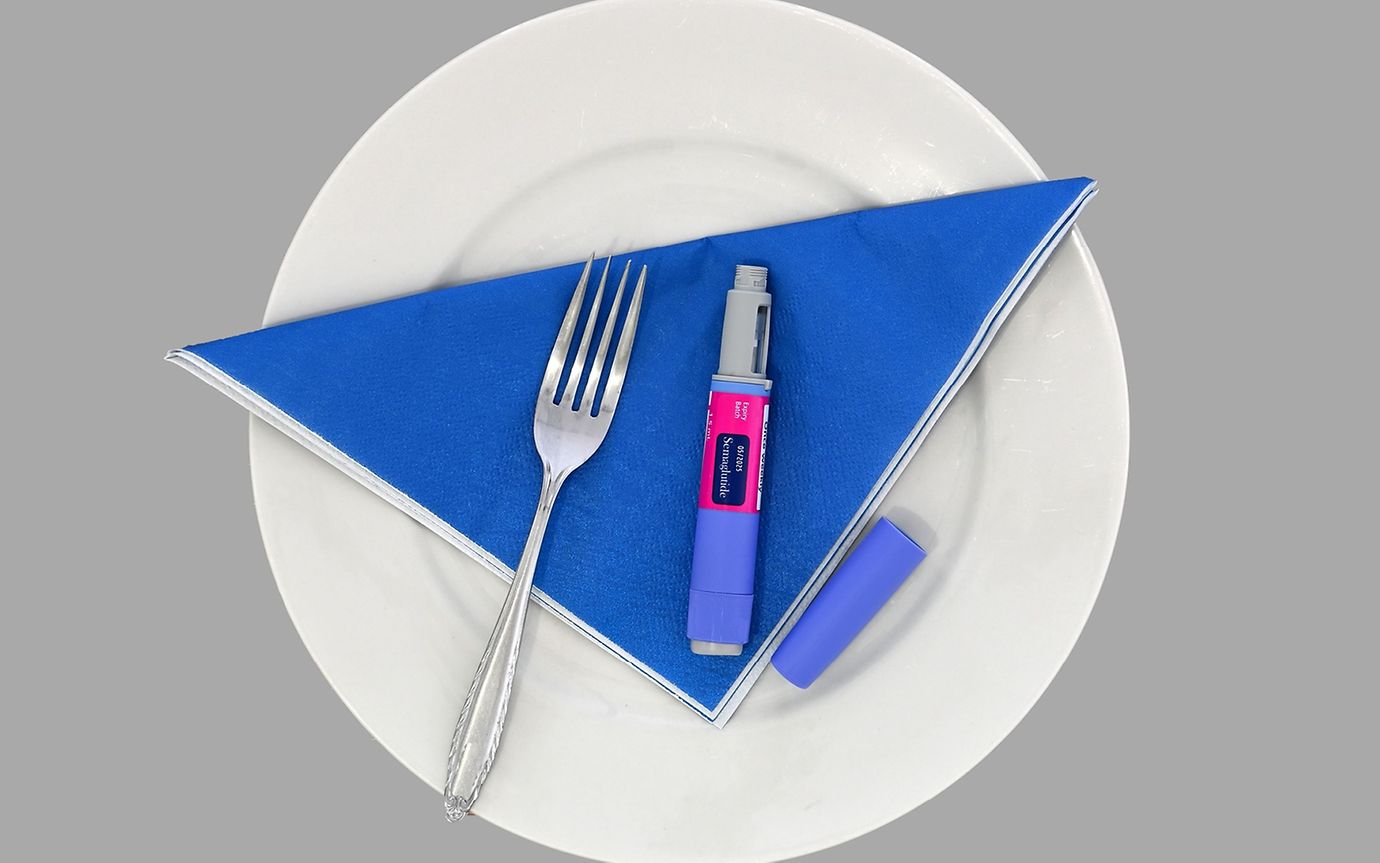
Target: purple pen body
x=724 y=566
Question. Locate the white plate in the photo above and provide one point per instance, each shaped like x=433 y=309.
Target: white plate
x=625 y=124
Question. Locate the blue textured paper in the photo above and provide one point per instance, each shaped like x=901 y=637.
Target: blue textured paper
x=873 y=311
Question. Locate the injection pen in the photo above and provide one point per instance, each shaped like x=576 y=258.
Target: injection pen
x=724 y=566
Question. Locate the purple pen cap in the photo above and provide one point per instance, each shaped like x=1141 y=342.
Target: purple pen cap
x=849 y=599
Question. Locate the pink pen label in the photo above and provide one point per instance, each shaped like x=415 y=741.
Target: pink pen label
x=735 y=436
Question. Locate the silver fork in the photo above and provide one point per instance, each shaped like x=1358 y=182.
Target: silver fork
x=567 y=433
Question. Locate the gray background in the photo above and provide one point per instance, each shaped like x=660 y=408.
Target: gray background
x=157 y=158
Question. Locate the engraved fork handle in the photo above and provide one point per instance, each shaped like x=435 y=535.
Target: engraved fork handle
x=475 y=744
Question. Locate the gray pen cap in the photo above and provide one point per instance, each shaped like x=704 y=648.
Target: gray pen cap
x=747 y=325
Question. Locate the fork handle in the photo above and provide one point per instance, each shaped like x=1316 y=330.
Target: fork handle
x=475 y=743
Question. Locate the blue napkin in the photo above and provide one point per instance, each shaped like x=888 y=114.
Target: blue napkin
x=878 y=318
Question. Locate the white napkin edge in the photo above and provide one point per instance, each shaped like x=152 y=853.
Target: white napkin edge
x=1000 y=311
x=260 y=407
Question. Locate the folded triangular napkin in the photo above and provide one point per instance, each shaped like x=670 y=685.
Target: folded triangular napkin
x=878 y=318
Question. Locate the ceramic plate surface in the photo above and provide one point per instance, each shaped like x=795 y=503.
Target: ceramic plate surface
x=619 y=125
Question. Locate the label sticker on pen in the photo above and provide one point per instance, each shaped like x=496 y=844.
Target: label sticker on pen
x=735 y=433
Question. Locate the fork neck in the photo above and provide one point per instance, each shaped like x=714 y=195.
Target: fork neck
x=551 y=483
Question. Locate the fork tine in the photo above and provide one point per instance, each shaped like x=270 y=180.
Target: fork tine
x=556 y=363
x=597 y=370
x=577 y=370
x=625 y=342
